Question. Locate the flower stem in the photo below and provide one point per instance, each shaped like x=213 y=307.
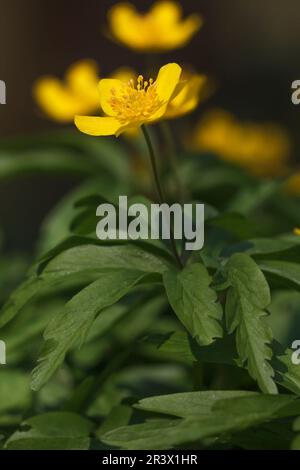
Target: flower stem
x=172 y=154
x=160 y=191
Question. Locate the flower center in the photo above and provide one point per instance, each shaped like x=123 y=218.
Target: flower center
x=135 y=102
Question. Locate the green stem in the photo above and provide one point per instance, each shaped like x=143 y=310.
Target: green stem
x=160 y=190
x=171 y=154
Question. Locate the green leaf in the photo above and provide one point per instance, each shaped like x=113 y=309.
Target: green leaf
x=195 y=302
x=81 y=265
x=247 y=200
x=285 y=273
x=182 y=346
x=189 y=405
x=56 y=226
x=287 y=373
x=230 y=415
x=42 y=161
x=15 y=391
x=52 y=431
x=296 y=441
x=70 y=327
x=246 y=302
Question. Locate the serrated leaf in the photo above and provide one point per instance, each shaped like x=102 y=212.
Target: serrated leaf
x=53 y=431
x=195 y=302
x=227 y=416
x=247 y=300
x=71 y=326
x=287 y=373
x=81 y=265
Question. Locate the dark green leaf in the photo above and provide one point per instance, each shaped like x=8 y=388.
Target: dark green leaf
x=195 y=302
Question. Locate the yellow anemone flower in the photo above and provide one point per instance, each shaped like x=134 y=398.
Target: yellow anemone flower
x=193 y=89
x=262 y=149
x=127 y=106
x=159 y=30
x=78 y=94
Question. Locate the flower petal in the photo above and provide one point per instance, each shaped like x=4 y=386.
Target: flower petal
x=194 y=90
x=166 y=12
x=98 y=126
x=56 y=100
x=167 y=81
x=83 y=78
x=107 y=87
x=126 y=24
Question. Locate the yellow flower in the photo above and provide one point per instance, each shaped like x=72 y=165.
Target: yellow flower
x=193 y=89
x=292 y=186
x=297 y=231
x=127 y=106
x=78 y=94
x=262 y=149
x=161 y=29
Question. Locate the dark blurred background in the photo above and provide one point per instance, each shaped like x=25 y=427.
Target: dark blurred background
x=251 y=47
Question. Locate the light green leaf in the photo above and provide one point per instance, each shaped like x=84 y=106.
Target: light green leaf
x=189 y=405
x=195 y=302
x=247 y=300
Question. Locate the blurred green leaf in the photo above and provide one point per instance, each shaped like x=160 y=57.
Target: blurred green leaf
x=15 y=394
x=52 y=431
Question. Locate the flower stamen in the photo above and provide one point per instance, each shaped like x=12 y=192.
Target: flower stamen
x=136 y=102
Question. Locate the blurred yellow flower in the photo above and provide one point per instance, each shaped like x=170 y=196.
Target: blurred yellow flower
x=297 y=231
x=62 y=100
x=129 y=105
x=262 y=149
x=159 y=30
x=78 y=94
x=292 y=186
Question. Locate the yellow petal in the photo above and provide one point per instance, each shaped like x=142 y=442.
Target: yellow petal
x=167 y=81
x=98 y=126
x=166 y=12
x=56 y=100
x=189 y=97
x=179 y=35
x=107 y=88
x=83 y=78
x=125 y=24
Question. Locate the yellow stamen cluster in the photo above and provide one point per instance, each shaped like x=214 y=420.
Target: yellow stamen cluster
x=136 y=102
